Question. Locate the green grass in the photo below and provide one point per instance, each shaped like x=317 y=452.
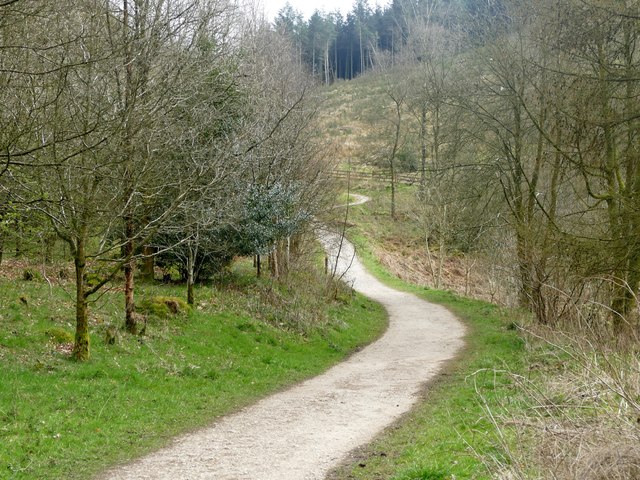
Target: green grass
x=60 y=419
x=450 y=434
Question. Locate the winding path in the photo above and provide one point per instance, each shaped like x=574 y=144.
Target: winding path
x=303 y=432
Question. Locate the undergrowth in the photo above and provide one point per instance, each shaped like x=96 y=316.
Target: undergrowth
x=581 y=409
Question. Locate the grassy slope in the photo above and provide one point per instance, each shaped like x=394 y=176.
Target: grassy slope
x=61 y=419
x=450 y=434
x=535 y=404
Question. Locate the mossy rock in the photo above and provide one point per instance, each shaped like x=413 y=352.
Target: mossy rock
x=59 y=335
x=163 y=306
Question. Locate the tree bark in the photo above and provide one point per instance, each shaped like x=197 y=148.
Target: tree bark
x=258 y=266
x=392 y=162
x=423 y=150
x=190 y=278
x=288 y=255
x=129 y=270
x=18 y=240
x=129 y=226
x=148 y=263
x=275 y=270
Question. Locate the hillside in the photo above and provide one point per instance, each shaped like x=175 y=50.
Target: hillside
x=563 y=406
x=62 y=419
x=355 y=117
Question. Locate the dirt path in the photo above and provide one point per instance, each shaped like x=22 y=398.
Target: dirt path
x=301 y=433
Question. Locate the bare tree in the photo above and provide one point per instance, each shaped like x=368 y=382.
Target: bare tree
x=87 y=184
x=153 y=40
x=600 y=116
x=279 y=144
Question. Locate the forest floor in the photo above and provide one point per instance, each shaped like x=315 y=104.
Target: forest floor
x=303 y=432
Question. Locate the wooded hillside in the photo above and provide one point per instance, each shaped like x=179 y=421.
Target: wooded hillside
x=521 y=121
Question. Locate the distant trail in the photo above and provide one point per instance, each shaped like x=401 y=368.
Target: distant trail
x=303 y=432
x=359 y=199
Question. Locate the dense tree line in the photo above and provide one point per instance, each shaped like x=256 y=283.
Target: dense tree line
x=138 y=129
x=336 y=47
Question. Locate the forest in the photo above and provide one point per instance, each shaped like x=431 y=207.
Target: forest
x=166 y=132
x=335 y=47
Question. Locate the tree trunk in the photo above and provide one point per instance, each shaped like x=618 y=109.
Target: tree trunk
x=191 y=276
x=361 y=50
x=49 y=246
x=2 y=238
x=624 y=301
x=423 y=150
x=275 y=270
x=435 y=131
x=81 y=345
x=442 y=248
x=190 y=292
x=430 y=258
x=313 y=59
x=393 y=194
x=392 y=164
x=148 y=263
x=129 y=270
x=18 y=240
x=524 y=269
x=258 y=266
x=129 y=230
x=288 y=255
x=326 y=64
x=468 y=267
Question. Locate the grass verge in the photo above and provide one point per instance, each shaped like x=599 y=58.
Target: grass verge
x=65 y=420
x=451 y=433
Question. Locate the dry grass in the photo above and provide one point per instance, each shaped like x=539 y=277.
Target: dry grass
x=459 y=274
x=576 y=415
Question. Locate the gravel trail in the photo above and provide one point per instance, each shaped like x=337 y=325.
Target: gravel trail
x=303 y=432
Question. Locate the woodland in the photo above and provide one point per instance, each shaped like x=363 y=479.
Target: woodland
x=177 y=139
x=156 y=130
x=166 y=132
x=521 y=123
